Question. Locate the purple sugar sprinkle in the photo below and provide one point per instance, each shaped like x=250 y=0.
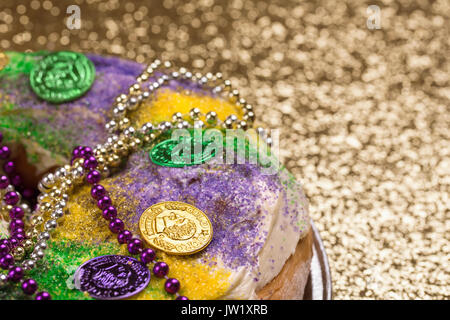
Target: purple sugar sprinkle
x=224 y=193
x=91 y=111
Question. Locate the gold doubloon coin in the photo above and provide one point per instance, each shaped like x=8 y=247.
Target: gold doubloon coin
x=176 y=228
x=4 y=60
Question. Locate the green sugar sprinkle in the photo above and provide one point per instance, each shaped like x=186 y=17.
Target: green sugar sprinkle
x=16 y=128
x=21 y=63
x=55 y=272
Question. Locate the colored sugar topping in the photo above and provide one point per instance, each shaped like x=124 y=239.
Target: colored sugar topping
x=227 y=194
x=20 y=63
x=236 y=198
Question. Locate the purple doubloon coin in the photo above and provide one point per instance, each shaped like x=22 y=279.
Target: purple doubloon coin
x=112 y=277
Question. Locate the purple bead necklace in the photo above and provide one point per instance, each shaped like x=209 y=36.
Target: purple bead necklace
x=135 y=245
x=16 y=228
x=9 y=167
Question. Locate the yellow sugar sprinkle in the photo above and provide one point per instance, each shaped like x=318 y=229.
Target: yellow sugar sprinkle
x=84 y=222
x=198 y=281
x=168 y=102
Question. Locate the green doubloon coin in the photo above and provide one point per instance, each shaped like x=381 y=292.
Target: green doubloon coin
x=62 y=76
x=172 y=153
x=193 y=150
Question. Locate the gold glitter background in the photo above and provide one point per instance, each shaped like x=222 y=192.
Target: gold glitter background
x=364 y=113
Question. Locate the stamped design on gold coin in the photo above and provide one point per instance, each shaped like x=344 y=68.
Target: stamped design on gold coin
x=176 y=228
